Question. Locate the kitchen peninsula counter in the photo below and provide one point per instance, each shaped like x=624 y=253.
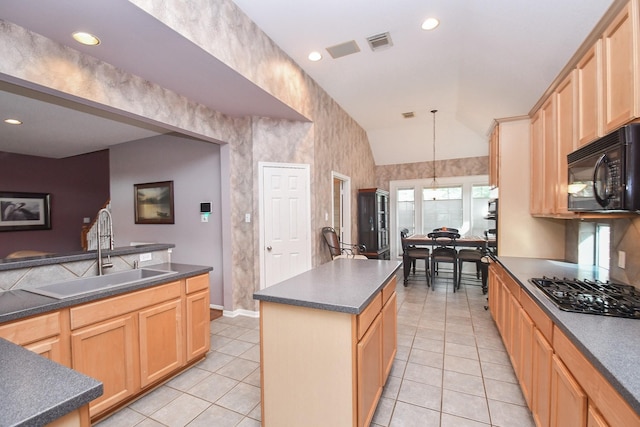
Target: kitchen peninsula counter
x=35 y=391
x=328 y=341
x=610 y=344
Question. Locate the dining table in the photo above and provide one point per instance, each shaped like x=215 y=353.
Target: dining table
x=469 y=241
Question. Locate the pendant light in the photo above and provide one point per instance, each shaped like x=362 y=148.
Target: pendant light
x=434 y=182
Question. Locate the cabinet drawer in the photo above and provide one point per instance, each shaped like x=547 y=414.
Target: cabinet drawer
x=111 y=307
x=368 y=315
x=197 y=283
x=27 y=331
x=540 y=319
x=389 y=289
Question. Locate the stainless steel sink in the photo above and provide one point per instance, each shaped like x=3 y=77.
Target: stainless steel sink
x=86 y=285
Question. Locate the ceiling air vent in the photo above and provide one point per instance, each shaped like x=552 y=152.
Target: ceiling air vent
x=343 y=49
x=380 y=41
x=409 y=115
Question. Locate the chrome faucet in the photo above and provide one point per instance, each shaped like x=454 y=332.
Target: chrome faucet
x=109 y=222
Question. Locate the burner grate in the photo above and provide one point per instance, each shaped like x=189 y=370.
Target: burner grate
x=591 y=296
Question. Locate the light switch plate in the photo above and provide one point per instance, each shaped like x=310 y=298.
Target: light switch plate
x=146 y=257
x=622 y=259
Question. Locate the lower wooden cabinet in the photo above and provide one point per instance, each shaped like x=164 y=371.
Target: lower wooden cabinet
x=197 y=317
x=161 y=342
x=389 y=333
x=369 y=372
x=542 y=362
x=561 y=387
x=107 y=351
x=568 y=401
x=45 y=334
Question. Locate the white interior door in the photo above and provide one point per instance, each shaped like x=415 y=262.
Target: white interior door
x=286 y=222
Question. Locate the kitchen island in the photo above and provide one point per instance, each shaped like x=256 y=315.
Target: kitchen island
x=327 y=343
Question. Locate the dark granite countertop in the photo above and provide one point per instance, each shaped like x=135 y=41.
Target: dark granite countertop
x=35 y=391
x=344 y=285
x=19 y=303
x=61 y=258
x=611 y=344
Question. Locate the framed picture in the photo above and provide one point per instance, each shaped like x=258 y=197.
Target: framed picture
x=25 y=211
x=153 y=203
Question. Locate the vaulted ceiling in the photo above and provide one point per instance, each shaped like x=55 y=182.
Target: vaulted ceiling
x=487 y=59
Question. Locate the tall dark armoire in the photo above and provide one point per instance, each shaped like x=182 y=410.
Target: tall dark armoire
x=373 y=222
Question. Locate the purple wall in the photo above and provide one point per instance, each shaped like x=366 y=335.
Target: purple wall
x=79 y=187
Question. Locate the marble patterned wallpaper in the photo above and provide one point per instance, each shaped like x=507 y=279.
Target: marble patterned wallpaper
x=330 y=141
x=444 y=168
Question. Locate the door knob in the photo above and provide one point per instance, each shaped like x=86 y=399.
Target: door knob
x=269 y=248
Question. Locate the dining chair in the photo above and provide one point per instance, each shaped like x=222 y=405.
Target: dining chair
x=444 y=250
x=339 y=249
x=412 y=253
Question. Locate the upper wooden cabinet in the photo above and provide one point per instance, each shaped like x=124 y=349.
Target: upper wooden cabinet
x=565 y=96
x=619 y=47
x=599 y=94
x=494 y=157
x=589 y=95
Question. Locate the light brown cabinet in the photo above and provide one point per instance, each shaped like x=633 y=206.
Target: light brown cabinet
x=197 y=317
x=542 y=360
x=619 y=47
x=107 y=352
x=537 y=164
x=43 y=334
x=568 y=401
x=589 y=95
x=369 y=372
x=494 y=157
x=565 y=117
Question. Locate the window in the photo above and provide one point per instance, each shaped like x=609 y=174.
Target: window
x=457 y=202
x=593 y=244
x=442 y=207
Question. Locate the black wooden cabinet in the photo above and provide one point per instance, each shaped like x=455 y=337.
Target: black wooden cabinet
x=373 y=222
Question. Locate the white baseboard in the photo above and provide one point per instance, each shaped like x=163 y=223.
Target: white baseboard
x=235 y=313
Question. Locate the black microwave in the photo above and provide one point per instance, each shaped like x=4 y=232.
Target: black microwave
x=604 y=175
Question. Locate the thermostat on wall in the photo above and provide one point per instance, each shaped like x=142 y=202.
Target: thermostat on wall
x=205 y=207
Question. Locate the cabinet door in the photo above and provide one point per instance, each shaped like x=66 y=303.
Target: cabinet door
x=160 y=336
x=526 y=358
x=619 y=80
x=537 y=171
x=50 y=348
x=389 y=335
x=550 y=154
x=589 y=95
x=542 y=357
x=198 y=334
x=568 y=401
x=515 y=350
x=565 y=128
x=107 y=352
x=369 y=360
x=494 y=157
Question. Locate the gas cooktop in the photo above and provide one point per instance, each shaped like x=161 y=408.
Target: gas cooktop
x=591 y=296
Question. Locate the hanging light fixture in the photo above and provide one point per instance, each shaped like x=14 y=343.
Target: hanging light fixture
x=434 y=182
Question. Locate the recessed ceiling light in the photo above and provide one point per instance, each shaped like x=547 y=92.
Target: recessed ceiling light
x=13 y=121
x=315 y=56
x=430 y=24
x=86 y=38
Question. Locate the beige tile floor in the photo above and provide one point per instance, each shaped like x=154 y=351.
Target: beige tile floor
x=451 y=370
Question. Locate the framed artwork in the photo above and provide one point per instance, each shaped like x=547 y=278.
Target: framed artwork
x=25 y=211
x=153 y=203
